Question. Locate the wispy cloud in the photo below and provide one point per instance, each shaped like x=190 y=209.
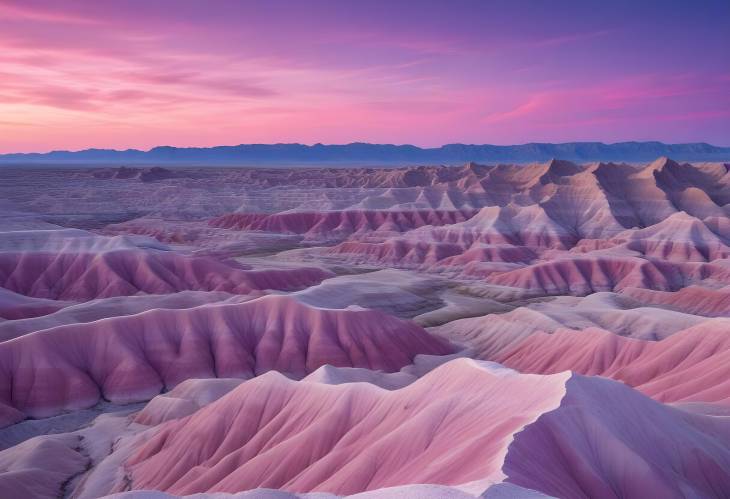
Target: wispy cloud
x=137 y=73
x=25 y=11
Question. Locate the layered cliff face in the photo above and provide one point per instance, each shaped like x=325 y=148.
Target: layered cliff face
x=544 y=330
x=132 y=358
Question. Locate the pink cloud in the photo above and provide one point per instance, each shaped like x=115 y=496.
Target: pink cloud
x=137 y=74
x=26 y=11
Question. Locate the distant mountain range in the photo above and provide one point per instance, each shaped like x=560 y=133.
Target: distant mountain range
x=364 y=153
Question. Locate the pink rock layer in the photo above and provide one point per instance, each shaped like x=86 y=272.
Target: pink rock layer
x=564 y=435
x=452 y=426
x=692 y=300
x=662 y=212
x=133 y=358
x=679 y=238
x=399 y=252
x=607 y=440
x=85 y=276
x=14 y=306
x=526 y=236
x=340 y=223
x=690 y=366
x=35 y=468
x=590 y=274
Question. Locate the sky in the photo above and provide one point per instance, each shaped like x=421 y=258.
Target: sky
x=137 y=74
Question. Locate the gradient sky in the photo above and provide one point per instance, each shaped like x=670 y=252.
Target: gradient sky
x=129 y=73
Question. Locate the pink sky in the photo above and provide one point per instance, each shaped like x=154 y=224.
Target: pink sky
x=79 y=74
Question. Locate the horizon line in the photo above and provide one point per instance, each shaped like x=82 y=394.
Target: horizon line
x=321 y=144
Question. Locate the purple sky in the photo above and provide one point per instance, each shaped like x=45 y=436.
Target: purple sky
x=77 y=74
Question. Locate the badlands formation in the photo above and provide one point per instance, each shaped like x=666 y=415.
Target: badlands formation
x=494 y=331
